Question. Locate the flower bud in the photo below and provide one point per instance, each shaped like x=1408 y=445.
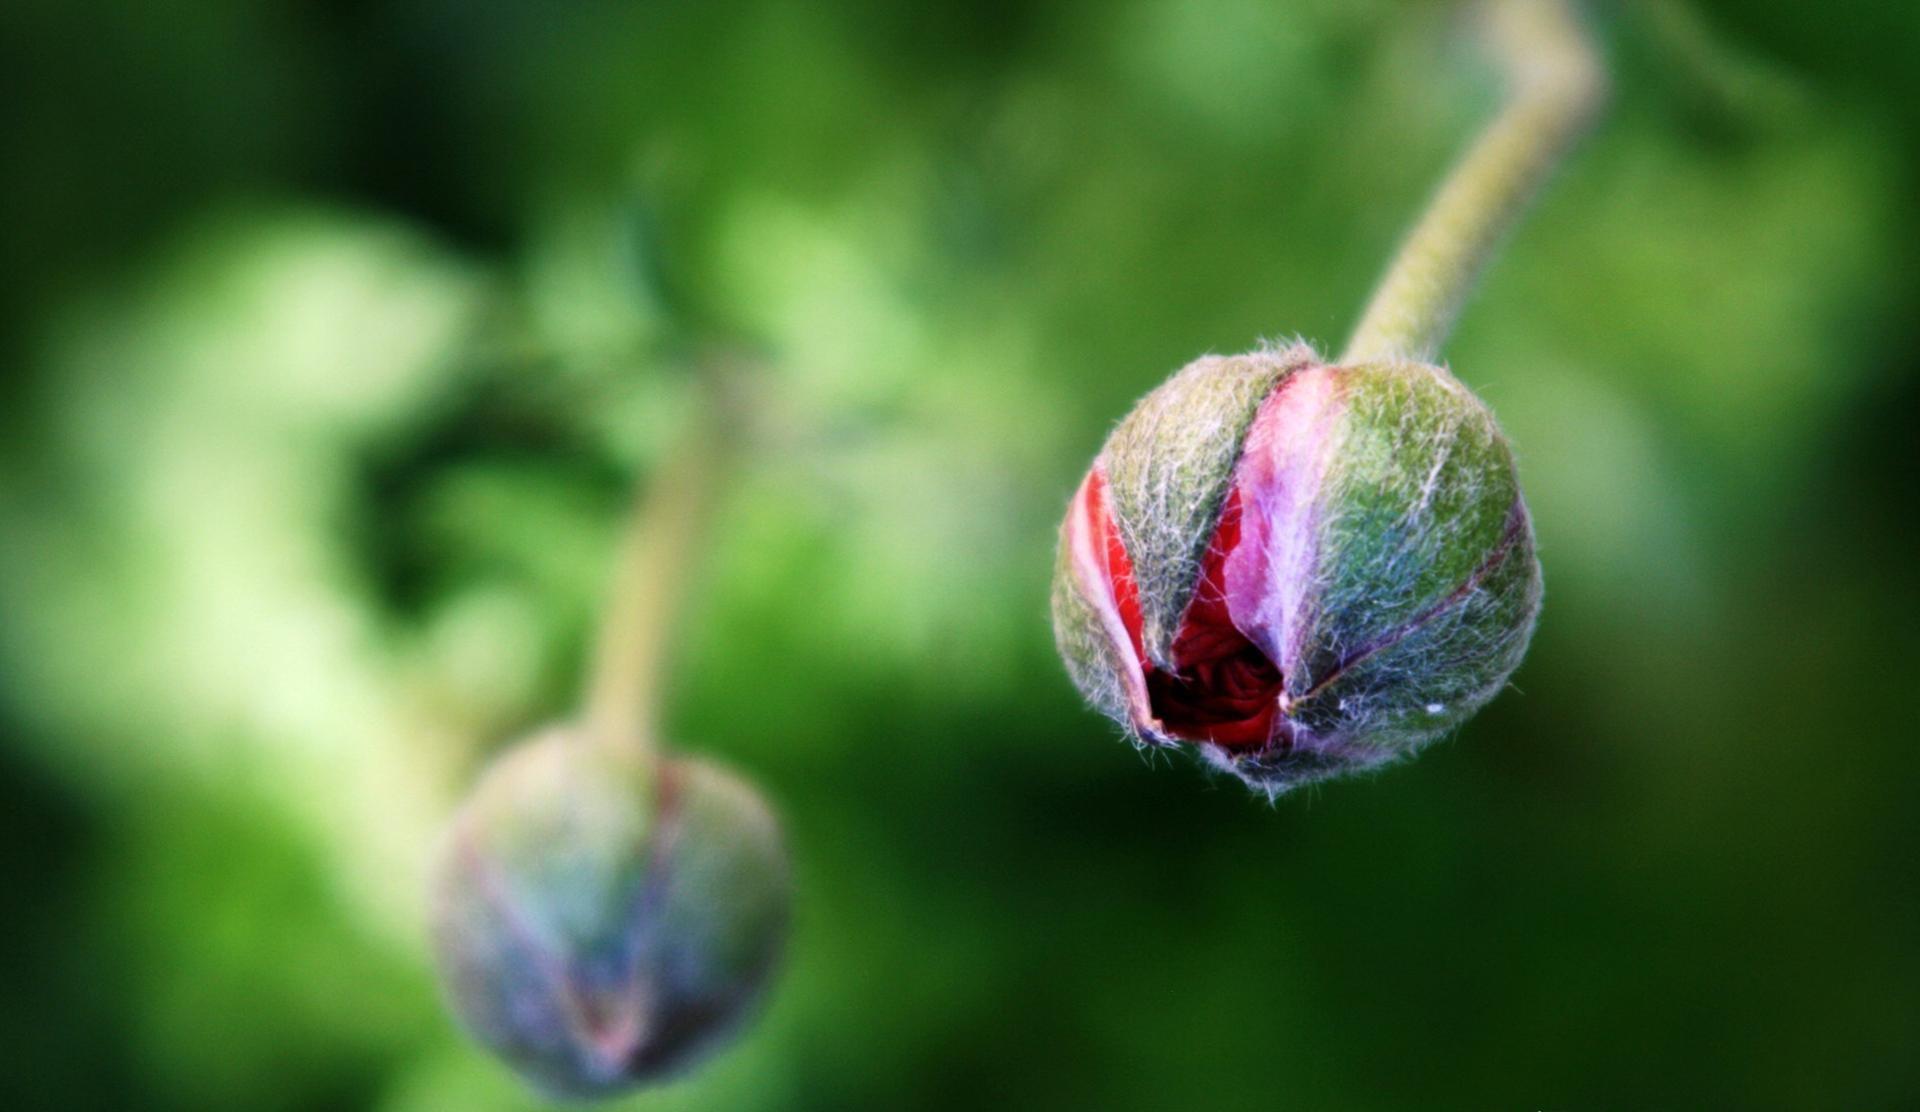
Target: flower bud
x=603 y=919
x=1300 y=570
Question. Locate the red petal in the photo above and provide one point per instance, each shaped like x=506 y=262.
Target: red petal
x=1119 y=566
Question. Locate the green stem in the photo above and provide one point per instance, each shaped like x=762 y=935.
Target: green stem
x=659 y=557
x=1555 y=84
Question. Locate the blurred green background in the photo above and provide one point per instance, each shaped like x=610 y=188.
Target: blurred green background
x=334 y=337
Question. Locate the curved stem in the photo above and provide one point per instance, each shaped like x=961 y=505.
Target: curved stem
x=1555 y=84
x=659 y=557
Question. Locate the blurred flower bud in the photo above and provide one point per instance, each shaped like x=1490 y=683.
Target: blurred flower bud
x=603 y=919
x=1301 y=570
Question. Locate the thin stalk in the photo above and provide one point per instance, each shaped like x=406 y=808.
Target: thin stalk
x=1555 y=85
x=659 y=557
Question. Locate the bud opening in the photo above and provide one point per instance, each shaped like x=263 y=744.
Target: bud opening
x=1222 y=688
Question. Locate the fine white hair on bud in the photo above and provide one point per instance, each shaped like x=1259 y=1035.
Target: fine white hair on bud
x=602 y=918
x=1296 y=569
